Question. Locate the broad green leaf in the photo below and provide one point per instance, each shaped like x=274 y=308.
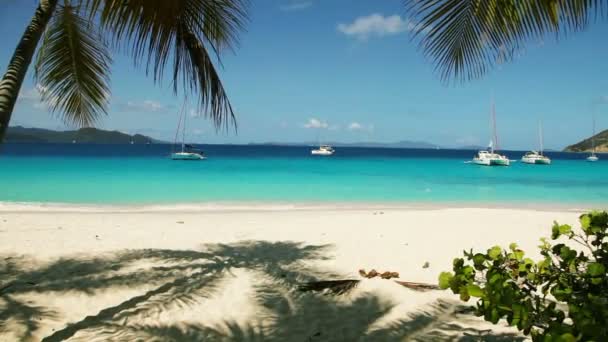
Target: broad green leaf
x=518 y=254
x=475 y=291
x=585 y=221
x=567 y=338
x=464 y=294
x=444 y=280
x=494 y=252
x=595 y=269
x=565 y=229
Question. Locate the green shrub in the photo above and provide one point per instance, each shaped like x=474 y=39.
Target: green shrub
x=562 y=297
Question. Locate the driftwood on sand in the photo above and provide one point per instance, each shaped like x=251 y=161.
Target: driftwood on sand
x=342 y=286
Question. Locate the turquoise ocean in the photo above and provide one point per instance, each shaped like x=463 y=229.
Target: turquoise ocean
x=143 y=174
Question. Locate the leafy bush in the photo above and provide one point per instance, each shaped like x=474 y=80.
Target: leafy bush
x=562 y=297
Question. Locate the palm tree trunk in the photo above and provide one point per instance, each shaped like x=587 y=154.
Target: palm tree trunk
x=17 y=68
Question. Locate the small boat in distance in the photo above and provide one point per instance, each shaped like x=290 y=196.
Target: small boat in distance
x=188 y=152
x=491 y=158
x=534 y=157
x=593 y=157
x=323 y=150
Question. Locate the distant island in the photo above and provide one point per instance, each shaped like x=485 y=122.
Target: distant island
x=19 y=134
x=601 y=144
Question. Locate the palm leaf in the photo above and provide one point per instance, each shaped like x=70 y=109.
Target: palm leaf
x=72 y=68
x=178 y=35
x=334 y=287
x=465 y=38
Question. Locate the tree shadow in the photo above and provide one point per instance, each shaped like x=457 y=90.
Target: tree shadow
x=183 y=278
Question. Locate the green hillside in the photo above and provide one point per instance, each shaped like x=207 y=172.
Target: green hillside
x=601 y=144
x=20 y=134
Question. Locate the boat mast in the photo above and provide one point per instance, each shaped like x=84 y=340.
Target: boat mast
x=593 y=136
x=184 y=132
x=540 y=136
x=494 y=135
x=179 y=125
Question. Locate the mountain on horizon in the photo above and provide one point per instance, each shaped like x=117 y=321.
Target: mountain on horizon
x=19 y=134
x=601 y=144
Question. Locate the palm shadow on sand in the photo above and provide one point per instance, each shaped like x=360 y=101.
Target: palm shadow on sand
x=182 y=278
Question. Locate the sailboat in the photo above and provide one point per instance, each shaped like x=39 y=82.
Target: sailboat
x=534 y=157
x=187 y=152
x=593 y=157
x=491 y=158
x=323 y=150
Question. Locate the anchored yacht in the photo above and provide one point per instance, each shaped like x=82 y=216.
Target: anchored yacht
x=534 y=157
x=491 y=157
x=323 y=150
x=188 y=152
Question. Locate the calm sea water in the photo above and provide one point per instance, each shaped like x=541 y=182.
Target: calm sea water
x=139 y=174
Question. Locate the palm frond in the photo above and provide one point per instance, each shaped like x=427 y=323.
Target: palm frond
x=73 y=67
x=334 y=287
x=178 y=35
x=465 y=38
x=420 y=287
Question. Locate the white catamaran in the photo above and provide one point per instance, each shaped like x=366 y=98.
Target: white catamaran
x=593 y=157
x=534 y=157
x=491 y=157
x=188 y=152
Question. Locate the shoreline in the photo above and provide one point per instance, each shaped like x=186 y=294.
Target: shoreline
x=263 y=206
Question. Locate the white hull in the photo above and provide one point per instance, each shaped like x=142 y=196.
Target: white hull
x=321 y=153
x=186 y=156
x=478 y=161
x=491 y=159
x=535 y=158
x=323 y=150
x=492 y=162
x=545 y=161
x=592 y=158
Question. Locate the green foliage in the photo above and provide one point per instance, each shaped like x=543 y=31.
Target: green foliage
x=562 y=297
x=73 y=68
x=466 y=38
x=182 y=38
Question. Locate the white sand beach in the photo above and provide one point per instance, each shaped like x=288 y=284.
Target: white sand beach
x=118 y=274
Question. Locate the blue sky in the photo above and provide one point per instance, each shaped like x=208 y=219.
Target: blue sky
x=350 y=68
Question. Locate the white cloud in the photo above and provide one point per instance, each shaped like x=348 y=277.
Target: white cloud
x=356 y=126
x=145 y=106
x=316 y=123
x=376 y=25
x=296 y=6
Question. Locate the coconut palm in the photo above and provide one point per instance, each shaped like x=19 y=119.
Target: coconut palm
x=466 y=38
x=73 y=63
